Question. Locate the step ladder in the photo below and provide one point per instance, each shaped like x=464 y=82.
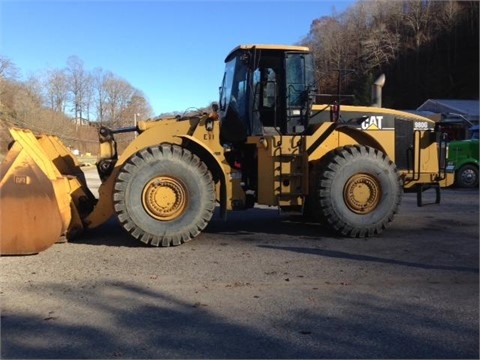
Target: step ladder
x=290 y=178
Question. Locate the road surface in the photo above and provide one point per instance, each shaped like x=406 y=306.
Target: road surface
x=258 y=286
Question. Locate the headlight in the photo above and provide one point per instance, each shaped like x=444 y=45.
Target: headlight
x=450 y=168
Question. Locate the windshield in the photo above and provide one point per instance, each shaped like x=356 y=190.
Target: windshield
x=233 y=92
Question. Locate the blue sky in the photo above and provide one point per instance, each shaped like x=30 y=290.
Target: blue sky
x=173 y=51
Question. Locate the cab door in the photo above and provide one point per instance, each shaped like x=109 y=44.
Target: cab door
x=299 y=90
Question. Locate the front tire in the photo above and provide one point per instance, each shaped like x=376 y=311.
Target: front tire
x=357 y=191
x=164 y=195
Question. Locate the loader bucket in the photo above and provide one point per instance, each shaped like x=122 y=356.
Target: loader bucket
x=43 y=194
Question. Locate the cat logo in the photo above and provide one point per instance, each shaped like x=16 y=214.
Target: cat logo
x=372 y=123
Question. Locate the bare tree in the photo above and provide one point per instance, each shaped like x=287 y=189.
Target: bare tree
x=418 y=20
x=379 y=48
x=57 y=87
x=8 y=70
x=77 y=81
x=88 y=100
x=8 y=74
x=100 y=78
x=138 y=107
x=26 y=102
x=118 y=95
x=446 y=13
x=328 y=49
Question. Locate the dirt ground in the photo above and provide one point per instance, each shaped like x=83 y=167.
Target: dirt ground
x=258 y=286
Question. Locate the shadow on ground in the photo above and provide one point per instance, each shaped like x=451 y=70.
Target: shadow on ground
x=137 y=322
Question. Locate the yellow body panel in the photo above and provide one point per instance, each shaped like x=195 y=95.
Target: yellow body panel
x=267 y=47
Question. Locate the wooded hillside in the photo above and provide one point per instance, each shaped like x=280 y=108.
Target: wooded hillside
x=426 y=49
x=66 y=101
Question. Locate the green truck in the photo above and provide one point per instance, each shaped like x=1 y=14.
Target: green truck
x=463 y=155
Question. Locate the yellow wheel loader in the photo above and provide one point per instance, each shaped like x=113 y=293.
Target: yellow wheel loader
x=265 y=142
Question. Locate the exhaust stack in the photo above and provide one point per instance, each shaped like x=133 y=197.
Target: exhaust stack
x=377 y=91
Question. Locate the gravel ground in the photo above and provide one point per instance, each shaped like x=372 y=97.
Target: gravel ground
x=258 y=286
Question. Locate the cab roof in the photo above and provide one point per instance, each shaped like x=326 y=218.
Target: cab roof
x=267 y=47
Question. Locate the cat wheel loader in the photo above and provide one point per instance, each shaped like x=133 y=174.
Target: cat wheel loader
x=266 y=142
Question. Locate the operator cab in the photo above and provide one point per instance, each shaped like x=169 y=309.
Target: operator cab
x=266 y=90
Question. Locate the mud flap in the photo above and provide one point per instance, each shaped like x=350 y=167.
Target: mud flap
x=424 y=187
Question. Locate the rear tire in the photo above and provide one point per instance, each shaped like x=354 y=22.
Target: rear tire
x=357 y=191
x=467 y=176
x=164 y=195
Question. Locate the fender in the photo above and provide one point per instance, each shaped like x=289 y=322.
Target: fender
x=361 y=137
x=329 y=136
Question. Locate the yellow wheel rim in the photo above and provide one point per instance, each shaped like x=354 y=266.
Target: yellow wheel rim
x=362 y=193
x=164 y=198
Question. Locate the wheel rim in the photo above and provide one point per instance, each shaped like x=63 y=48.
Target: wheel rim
x=164 y=198
x=469 y=177
x=362 y=193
